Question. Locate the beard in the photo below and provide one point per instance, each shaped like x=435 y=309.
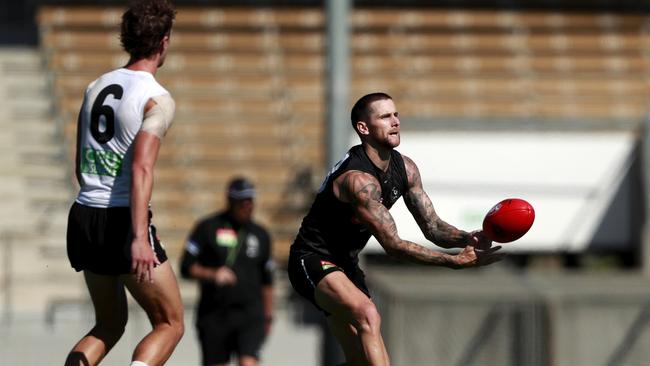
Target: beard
x=385 y=143
x=393 y=141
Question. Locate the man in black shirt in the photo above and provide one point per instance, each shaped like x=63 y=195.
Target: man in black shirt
x=231 y=257
x=351 y=205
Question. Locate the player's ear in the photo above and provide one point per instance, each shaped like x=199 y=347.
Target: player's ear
x=362 y=128
x=164 y=44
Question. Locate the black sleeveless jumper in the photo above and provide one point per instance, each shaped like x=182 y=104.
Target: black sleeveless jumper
x=330 y=228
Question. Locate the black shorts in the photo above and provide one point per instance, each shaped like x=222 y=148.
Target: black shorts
x=99 y=239
x=306 y=270
x=222 y=334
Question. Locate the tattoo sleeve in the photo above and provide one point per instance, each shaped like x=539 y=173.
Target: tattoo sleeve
x=420 y=206
x=364 y=193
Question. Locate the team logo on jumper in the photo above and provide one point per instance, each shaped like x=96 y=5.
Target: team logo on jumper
x=395 y=192
x=226 y=237
x=252 y=246
x=325 y=265
x=101 y=162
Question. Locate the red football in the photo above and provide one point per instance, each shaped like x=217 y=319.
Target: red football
x=508 y=220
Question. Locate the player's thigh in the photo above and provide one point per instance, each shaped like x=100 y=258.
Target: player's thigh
x=339 y=296
x=161 y=298
x=108 y=297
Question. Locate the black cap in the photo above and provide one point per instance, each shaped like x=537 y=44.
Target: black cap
x=241 y=189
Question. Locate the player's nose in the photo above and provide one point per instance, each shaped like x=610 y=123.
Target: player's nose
x=396 y=121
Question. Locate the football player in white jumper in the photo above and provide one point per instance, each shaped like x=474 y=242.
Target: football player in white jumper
x=123 y=118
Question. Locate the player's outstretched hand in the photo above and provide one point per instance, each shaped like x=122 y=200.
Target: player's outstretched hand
x=143 y=260
x=471 y=256
x=480 y=240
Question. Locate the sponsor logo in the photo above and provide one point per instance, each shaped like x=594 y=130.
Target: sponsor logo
x=101 y=162
x=252 y=246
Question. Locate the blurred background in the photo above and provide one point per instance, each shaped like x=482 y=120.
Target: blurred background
x=542 y=99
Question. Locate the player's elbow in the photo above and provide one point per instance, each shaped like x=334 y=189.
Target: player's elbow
x=142 y=170
x=432 y=237
x=391 y=251
x=392 y=248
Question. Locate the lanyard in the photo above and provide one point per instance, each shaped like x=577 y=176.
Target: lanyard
x=233 y=251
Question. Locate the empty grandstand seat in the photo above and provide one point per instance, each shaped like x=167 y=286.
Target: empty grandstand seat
x=242 y=80
x=501 y=64
x=251 y=81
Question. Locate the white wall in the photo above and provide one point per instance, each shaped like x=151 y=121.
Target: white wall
x=570 y=179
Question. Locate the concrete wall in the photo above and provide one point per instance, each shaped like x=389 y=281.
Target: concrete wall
x=492 y=317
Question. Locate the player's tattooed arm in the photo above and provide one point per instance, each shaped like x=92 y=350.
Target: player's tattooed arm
x=363 y=192
x=420 y=206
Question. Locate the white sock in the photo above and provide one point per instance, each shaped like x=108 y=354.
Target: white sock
x=138 y=363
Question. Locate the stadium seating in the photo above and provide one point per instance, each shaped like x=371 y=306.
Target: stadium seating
x=248 y=90
x=250 y=93
x=503 y=64
x=36 y=189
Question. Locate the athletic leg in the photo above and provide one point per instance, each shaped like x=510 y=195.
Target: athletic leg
x=349 y=340
x=111 y=314
x=353 y=316
x=161 y=301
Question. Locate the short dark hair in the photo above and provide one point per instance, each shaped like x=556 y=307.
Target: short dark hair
x=361 y=109
x=144 y=25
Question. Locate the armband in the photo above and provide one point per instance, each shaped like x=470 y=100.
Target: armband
x=158 y=118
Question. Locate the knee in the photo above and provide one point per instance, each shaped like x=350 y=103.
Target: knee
x=367 y=317
x=179 y=329
x=111 y=333
x=169 y=323
x=173 y=325
x=111 y=330
x=176 y=326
